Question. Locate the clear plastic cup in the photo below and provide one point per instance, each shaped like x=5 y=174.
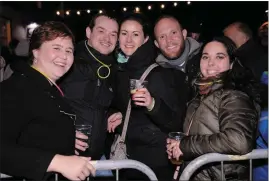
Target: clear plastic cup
x=136 y=84
x=87 y=130
x=176 y=136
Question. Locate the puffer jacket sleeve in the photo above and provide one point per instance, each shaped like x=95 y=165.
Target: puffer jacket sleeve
x=237 y=127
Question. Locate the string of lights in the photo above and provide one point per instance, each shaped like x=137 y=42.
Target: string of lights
x=125 y=9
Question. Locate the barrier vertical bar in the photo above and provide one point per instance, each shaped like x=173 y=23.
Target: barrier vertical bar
x=117 y=174
x=222 y=171
x=250 y=169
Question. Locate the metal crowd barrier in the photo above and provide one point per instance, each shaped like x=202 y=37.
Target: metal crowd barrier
x=215 y=157
x=123 y=164
x=116 y=165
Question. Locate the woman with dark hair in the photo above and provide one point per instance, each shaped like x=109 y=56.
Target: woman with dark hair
x=37 y=126
x=148 y=127
x=222 y=118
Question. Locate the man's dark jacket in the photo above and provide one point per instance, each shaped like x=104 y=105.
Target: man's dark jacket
x=89 y=95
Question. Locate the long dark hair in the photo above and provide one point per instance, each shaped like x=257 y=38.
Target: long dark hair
x=239 y=77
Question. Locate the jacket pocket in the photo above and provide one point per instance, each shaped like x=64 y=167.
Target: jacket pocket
x=151 y=135
x=104 y=95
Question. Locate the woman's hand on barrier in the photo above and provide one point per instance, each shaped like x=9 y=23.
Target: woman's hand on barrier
x=173 y=149
x=81 y=145
x=113 y=121
x=142 y=97
x=72 y=167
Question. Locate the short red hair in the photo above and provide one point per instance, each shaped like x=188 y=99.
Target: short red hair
x=48 y=31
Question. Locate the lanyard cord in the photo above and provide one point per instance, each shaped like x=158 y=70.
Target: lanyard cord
x=59 y=89
x=103 y=65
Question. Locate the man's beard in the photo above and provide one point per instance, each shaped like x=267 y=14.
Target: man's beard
x=175 y=55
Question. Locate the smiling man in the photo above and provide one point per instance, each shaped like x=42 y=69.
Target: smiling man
x=177 y=50
x=88 y=86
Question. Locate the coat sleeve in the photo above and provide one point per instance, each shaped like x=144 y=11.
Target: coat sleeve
x=237 y=128
x=16 y=159
x=167 y=117
x=170 y=94
x=263 y=126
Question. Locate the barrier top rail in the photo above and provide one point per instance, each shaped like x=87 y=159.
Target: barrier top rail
x=216 y=157
x=118 y=164
x=123 y=164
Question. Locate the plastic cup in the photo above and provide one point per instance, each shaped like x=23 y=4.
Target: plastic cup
x=176 y=136
x=87 y=130
x=136 y=84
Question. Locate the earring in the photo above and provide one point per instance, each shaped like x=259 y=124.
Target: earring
x=35 y=60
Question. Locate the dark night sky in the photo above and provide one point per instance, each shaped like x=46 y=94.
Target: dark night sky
x=214 y=15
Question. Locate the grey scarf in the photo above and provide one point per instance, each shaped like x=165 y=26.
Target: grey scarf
x=192 y=47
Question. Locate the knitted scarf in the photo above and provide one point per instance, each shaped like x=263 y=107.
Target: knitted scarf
x=209 y=84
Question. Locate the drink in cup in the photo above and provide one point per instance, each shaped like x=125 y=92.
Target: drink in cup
x=136 y=84
x=86 y=130
x=176 y=136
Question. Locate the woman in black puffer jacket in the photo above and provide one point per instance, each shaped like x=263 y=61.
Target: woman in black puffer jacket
x=223 y=117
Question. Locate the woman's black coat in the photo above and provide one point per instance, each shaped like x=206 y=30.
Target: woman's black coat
x=147 y=131
x=36 y=124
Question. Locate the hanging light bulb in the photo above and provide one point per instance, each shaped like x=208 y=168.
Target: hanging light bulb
x=137 y=9
x=67 y=12
x=88 y=11
x=189 y=3
x=162 y=6
x=100 y=11
x=149 y=7
x=58 y=13
x=78 y=12
x=124 y=9
x=175 y=4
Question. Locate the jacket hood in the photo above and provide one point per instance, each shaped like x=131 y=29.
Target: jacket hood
x=192 y=47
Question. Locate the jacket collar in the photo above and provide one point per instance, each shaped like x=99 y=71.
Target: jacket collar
x=24 y=69
x=192 y=47
x=82 y=51
x=141 y=58
x=250 y=45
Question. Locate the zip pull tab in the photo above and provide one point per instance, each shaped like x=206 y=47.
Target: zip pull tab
x=72 y=116
x=98 y=83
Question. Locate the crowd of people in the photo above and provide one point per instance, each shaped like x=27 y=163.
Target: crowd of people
x=214 y=92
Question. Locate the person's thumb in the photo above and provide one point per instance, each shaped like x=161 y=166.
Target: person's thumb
x=86 y=158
